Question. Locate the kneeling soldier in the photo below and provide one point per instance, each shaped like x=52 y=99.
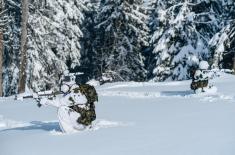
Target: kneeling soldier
x=200 y=78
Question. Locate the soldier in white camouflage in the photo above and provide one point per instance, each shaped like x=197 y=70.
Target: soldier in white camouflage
x=76 y=109
x=200 y=77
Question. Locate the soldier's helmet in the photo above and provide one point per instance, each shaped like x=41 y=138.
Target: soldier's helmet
x=64 y=88
x=203 y=65
x=69 y=78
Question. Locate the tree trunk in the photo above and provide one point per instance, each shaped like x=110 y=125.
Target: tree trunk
x=1 y=62
x=234 y=63
x=23 y=48
x=1 y=52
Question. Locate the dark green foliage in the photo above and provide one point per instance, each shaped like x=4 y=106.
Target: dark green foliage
x=121 y=35
x=182 y=31
x=11 y=47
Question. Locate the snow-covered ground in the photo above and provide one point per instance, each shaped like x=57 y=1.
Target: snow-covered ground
x=133 y=119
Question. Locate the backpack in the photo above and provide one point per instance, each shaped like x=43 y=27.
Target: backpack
x=194 y=85
x=90 y=93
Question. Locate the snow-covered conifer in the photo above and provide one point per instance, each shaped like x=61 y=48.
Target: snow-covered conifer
x=182 y=30
x=222 y=47
x=54 y=40
x=121 y=35
x=11 y=40
x=88 y=54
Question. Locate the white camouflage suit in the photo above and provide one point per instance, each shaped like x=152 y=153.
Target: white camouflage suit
x=67 y=116
x=200 y=75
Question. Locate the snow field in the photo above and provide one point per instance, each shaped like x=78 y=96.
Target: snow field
x=132 y=119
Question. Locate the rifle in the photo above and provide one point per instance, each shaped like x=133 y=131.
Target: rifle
x=38 y=96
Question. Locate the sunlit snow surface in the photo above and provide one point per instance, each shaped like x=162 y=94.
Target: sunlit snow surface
x=132 y=119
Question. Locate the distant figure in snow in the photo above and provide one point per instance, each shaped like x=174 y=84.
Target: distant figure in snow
x=192 y=71
x=76 y=111
x=200 y=77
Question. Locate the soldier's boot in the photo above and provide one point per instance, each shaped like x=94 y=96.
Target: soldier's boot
x=203 y=90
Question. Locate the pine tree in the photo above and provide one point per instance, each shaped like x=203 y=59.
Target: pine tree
x=2 y=23
x=88 y=54
x=11 y=37
x=222 y=45
x=121 y=36
x=54 y=41
x=182 y=30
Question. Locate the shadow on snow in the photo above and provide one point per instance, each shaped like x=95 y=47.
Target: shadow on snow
x=38 y=125
x=177 y=93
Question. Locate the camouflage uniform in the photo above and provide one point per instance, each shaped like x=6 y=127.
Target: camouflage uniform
x=68 y=115
x=200 y=80
x=88 y=112
x=76 y=108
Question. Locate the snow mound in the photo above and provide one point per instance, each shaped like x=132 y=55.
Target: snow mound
x=53 y=126
x=208 y=91
x=98 y=124
x=8 y=124
x=93 y=82
x=131 y=94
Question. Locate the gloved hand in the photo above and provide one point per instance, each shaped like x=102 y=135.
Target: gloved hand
x=39 y=105
x=41 y=102
x=38 y=100
x=35 y=96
